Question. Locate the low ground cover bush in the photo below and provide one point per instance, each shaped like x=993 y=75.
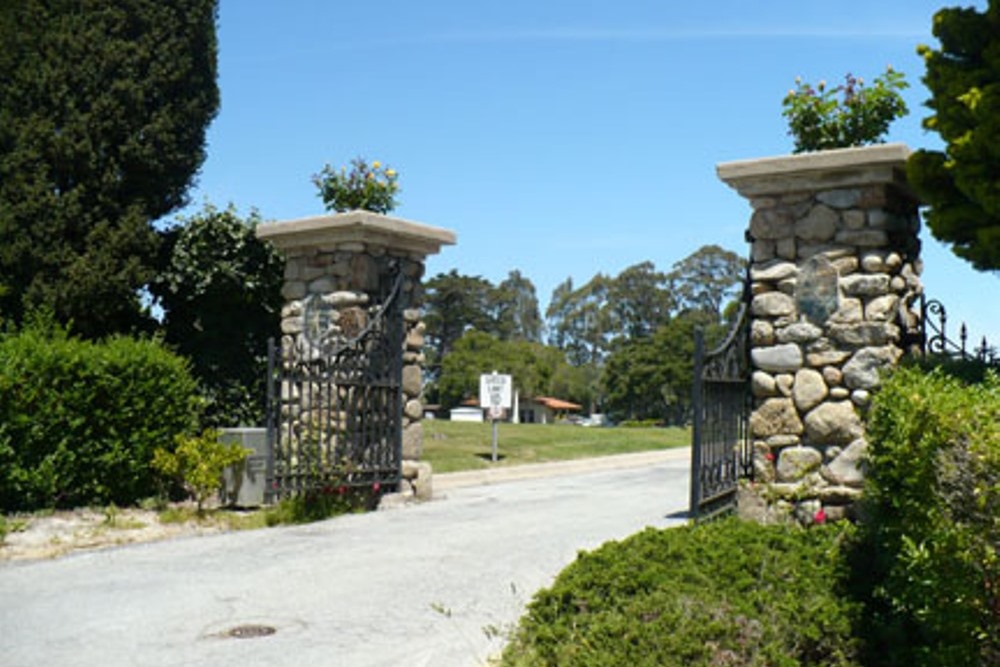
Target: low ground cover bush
x=79 y=420
x=720 y=594
x=928 y=561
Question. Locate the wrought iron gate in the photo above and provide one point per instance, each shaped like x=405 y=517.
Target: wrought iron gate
x=335 y=406
x=720 y=440
x=934 y=339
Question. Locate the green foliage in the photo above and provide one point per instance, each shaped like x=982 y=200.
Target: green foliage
x=723 y=593
x=639 y=423
x=220 y=289
x=79 y=421
x=474 y=327
x=707 y=279
x=581 y=320
x=594 y=320
x=640 y=300
x=514 y=304
x=369 y=187
x=103 y=111
x=928 y=565
x=330 y=501
x=961 y=184
x=818 y=120
x=455 y=303
x=536 y=369
x=197 y=463
x=650 y=378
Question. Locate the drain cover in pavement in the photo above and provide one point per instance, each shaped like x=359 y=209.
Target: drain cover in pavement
x=250 y=631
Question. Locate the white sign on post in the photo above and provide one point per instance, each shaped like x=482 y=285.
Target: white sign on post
x=494 y=391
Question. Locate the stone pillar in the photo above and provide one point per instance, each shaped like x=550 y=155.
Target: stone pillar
x=835 y=283
x=346 y=259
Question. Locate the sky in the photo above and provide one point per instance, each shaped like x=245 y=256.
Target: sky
x=561 y=138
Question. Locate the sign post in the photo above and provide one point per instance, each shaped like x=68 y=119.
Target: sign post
x=495 y=394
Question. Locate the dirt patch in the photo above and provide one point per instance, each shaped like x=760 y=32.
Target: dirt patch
x=60 y=533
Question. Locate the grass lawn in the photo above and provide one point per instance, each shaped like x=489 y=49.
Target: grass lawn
x=453 y=446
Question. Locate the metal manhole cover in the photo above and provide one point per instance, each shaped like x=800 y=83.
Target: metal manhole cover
x=250 y=631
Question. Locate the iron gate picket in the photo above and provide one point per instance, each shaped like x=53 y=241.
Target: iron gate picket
x=335 y=402
x=720 y=439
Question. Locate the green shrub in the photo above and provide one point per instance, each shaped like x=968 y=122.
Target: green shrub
x=318 y=505
x=928 y=566
x=79 y=420
x=817 y=120
x=723 y=593
x=197 y=463
x=369 y=187
x=640 y=423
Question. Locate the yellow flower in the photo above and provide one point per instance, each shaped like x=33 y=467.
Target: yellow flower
x=390 y=172
x=376 y=164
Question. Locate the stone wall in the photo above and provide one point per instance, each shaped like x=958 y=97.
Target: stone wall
x=347 y=264
x=835 y=283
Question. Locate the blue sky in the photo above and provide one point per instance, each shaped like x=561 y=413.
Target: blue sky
x=558 y=137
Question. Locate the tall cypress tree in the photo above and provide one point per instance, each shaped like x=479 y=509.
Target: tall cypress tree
x=104 y=106
x=962 y=183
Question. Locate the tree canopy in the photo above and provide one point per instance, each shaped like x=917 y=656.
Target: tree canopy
x=456 y=303
x=706 y=279
x=103 y=112
x=536 y=369
x=622 y=343
x=220 y=289
x=515 y=306
x=588 y=322
x=650 y=378
x=962 y=183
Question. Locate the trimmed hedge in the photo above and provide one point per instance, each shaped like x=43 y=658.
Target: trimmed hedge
x=928 y=563
x=724 y=593
x=79 y=421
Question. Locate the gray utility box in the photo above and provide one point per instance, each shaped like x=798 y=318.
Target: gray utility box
x=244 y=484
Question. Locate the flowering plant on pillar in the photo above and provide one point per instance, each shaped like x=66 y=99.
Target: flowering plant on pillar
x=368 y=187
x=817 y=120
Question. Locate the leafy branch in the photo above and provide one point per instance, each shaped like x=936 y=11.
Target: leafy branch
x=848 y=115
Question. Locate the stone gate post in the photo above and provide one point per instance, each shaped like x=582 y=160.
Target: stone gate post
x=348 y=259
x=835 y=280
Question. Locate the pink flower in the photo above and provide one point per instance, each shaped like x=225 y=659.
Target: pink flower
x=819 y=516
x=376 y=487
x=769 y=456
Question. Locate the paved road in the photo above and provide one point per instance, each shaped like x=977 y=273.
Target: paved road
x=416 y=586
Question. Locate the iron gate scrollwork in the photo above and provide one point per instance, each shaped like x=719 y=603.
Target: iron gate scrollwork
x=934 y=339
x=720 y=440
x=335 y=403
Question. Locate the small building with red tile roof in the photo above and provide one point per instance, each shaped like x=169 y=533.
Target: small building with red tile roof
x=537 y=410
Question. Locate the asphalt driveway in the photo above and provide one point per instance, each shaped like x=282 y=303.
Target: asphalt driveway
x=432 y=585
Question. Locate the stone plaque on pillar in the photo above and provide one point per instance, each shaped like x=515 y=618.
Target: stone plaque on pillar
x=817 y=295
